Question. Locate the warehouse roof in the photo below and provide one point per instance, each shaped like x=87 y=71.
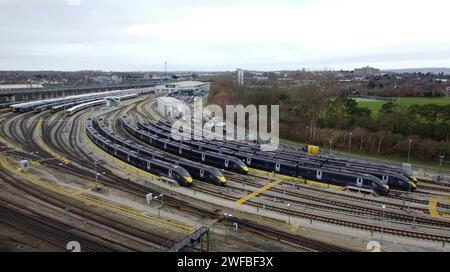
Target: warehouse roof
x=187 y=84
x=169 y=100
x=20 y=86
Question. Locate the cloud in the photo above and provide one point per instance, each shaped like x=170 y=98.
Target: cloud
x=215 y=35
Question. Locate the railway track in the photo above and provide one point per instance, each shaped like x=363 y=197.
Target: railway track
x=356 y=209
x=295 y=240
x=433 y=182
x=51 y=231
x=98 y=217
x=291 y=239
x=401 y=196
x=336 y=221
x=79 y=155
x=48 y=228
x=32 y=146
x=342 y=207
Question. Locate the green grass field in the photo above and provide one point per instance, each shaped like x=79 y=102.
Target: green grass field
x=375 y=105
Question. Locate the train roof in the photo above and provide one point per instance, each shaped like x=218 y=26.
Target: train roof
x=73 y=97
x=87 y=104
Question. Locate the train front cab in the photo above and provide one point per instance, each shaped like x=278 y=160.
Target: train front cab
x=181 y=175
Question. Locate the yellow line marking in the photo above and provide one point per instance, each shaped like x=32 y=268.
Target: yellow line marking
x=259 y=191
x=432 y=207
x=306 y=181
x=5 y=109
x=7 y=142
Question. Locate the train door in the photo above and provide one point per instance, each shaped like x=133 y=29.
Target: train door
x=359 y=182
x=180 y=151
x=385 y=179
x=203 y=157
x=202 y=173
x=249 y=161
x=170 y=173
x=227 y=163
x=277 y=167
x=148 y=165
x=165 y=146
x=319 y=174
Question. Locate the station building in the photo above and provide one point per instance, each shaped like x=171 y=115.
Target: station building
x=170 y=107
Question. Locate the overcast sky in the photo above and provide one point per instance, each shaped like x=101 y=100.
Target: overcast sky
x=223 y=34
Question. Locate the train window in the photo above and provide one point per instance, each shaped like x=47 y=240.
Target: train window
x=319 y=174
x=183 y=172
x=216 y=172
x=359 y=182
x=240 y=163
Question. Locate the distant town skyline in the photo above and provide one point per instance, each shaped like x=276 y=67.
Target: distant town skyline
x=265 y=35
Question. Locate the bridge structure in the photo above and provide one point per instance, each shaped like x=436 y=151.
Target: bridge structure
x=8 y=97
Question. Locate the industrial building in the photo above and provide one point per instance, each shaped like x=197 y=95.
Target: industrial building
x=170 y=107
x=13 y=87
x=366 y=71
x=240 y=77
x=134 y=76
x=185 y=88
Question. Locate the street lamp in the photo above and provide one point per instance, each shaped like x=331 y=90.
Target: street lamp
x=96 y=178
x=95 y=166
x=331 y=142
x=64 y=172
x=226 y=228
x=289 y=215
x=161 y=197
x=441 y=159
x=165 y=67
x=382 y=225
x=350 y=141
x=306 y=133
x=409 y=149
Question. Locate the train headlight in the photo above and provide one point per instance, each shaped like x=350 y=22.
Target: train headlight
x=386 y=187
x=414 y=179
x=245 y=168
x=188 y=179
x=413 y=185
x=222 y=179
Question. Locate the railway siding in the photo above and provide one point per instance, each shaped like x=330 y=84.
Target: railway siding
x=97 y=200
